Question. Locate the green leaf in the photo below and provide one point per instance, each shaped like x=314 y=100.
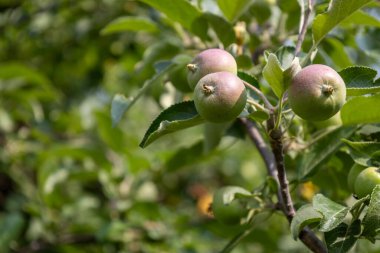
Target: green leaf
x=335 y=50
x=181 y=11
x=118 y=107
x=321 y=150
x=362 y=18
x=259 y=116
x=363 y=152
x=273 y=74
x=233 y=9
x=371 y=221
x=248 y=78
x=129 y=23
x=285 y=56
x=361 y=110
x=222 y=28
x=260 y=10
x=359 y=80
x=244 y=61
x=303 y=217
x=120 y=104
x=332 y=212
x=338 y=10
x=172 y=119
x=343 y=237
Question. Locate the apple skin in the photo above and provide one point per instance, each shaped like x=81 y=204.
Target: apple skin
x=353 y=174
x=210 y=61
x=366 y=181
x=233 y=212
x=220 y=97
x=316 y=93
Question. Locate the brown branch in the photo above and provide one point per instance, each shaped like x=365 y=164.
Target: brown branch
x=264 y=151
x=277 y=148
x=302 y=33
x=275 y=166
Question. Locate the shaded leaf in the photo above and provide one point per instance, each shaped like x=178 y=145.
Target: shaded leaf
x=181 y=11
x=336 y=50
x=233 y=9
x=259 y=116
x=248 y=78
x=371 y=221
x=222 y=28
x=321 y=151
x=332 y=212
x=361 y=110
x=337 y=12
x=285 y=56
x=303 y=217
x=172 y=119
x=129 y=23
x=343 y=237
x=363 y=152
x=359 y=80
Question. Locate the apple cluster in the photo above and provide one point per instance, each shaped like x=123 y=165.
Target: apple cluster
x=219 y=95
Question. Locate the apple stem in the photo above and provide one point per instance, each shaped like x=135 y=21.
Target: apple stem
x=327 y=89
x=208 y=89
x=192 y=67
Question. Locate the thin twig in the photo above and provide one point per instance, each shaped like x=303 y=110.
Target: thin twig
x=304 y=23
x=277 y=148
x=261 y=95
x=257 y=105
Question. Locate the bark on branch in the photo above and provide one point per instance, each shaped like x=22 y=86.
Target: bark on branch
x=274 y=161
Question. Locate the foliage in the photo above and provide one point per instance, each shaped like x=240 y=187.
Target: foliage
x=82 y=81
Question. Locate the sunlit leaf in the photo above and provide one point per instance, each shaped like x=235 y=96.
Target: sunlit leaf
x=362 y=18
x=360 y=80
x=273 y=74
x=304 y=216
x=336 y=13
x=361 y=110
x=332 y=212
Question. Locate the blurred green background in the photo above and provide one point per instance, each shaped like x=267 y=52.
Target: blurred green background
x=69 y=181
